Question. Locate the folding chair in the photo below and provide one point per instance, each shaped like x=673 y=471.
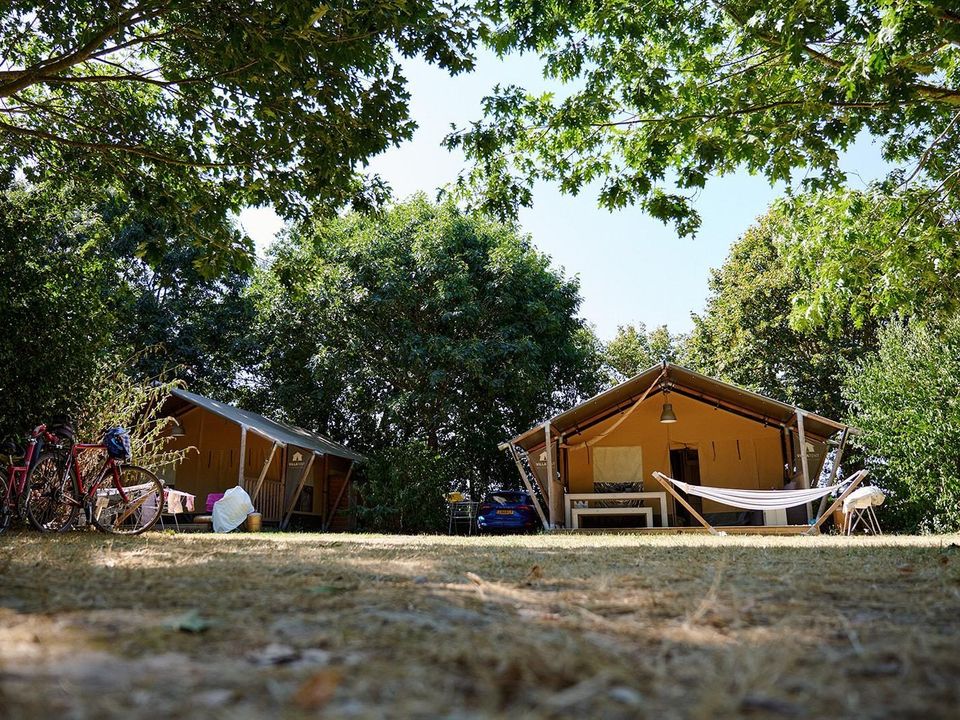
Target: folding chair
x=464 y=512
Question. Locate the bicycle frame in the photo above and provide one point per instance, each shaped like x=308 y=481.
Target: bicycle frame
x=109 y=465
x=17 y=474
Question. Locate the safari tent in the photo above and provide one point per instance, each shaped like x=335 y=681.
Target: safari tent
x=597 y=460
x=289 y=473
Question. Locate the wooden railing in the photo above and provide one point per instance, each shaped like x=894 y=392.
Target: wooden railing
x=269 y=502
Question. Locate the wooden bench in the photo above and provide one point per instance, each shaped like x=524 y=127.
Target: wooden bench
x=576 y=513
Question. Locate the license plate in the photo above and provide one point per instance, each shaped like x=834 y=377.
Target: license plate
x=504 y=512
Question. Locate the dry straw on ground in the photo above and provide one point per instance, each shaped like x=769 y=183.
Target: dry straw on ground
x=546 y=626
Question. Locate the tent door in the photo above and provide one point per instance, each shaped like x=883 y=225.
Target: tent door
x=685 y=466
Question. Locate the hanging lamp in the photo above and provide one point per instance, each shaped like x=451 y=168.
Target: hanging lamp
x=667 y=415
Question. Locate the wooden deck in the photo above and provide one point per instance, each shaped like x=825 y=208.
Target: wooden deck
x=729 y=530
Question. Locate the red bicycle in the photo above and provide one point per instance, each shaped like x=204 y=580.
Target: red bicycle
x=15 y=484
x=122 y=498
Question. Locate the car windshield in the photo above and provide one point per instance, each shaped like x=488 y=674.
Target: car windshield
x=507 y=498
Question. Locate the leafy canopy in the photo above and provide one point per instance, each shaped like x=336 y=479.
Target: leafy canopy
x=634 y=349
x=869 y=255
x=424 y=325
x=658 y=96
x=193 y=109
x=746 y=335
x=82 y=310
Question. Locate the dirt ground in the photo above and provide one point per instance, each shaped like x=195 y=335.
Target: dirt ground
x=612 y=626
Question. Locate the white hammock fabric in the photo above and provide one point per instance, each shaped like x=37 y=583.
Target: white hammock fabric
x=755 y=499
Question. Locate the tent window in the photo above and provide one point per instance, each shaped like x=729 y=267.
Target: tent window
x=618 y=464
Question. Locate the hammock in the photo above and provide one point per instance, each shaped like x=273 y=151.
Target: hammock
x=756 y=499
x=761 y=499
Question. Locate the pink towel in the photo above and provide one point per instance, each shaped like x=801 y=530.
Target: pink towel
x=211 y=499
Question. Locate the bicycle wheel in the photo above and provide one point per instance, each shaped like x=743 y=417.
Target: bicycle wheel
x=6 y=512
x=49 y=494
x=142 y=508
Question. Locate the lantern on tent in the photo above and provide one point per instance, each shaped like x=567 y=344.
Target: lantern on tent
x=667 y=415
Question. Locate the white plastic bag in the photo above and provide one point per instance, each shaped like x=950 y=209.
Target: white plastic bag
x=231 y=510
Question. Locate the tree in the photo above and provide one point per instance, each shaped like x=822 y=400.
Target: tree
x=424 y=325
x=82 y=309
x=655 y=97
x=59 y=300
x=746 y=334
x=191 y=110
x=196 y=326
x=633 y=350
x=905 y=399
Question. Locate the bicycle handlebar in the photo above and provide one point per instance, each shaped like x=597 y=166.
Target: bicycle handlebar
x=41 y=430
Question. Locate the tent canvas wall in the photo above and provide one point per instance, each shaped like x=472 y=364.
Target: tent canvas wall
x=289 y=472
x=725 y=436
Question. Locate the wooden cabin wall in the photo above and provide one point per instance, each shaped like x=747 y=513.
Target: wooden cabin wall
x=734 y=452
x=816 y=456
x=297 y=460
x=344 y=519
x=214 y=466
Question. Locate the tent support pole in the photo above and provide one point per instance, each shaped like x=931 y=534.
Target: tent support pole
x=528 y=486
x=834 y=469
x=243 y=454
x=804 y=465
x=296 y=494
x=783 y=456
x=336 y=503
x=552 y=485
x=263 y=473
x=803 y=450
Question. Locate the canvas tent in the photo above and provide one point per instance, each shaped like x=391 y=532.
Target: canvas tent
x=723 y=436
x=290 y=473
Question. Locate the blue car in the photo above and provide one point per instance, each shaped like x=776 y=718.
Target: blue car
x=507 y=511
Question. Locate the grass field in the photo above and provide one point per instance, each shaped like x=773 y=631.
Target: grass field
x=543 y=626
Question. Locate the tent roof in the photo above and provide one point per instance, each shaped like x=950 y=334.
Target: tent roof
x=686 y=382
x=270 y=429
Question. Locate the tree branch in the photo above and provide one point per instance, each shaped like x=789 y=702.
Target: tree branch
x=143 y=78
x=929 y=150
x=137 y=150
x=50 y=66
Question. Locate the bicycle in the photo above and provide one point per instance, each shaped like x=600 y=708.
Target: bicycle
x=129 y=505
x=14 y=484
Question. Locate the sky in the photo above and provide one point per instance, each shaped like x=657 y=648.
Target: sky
x=631 y=268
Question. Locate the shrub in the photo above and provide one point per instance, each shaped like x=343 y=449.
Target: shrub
x=119 y=398
x=403 y=490
x=906 y=401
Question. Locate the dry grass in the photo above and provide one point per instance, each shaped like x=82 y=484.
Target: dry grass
x=545 y=626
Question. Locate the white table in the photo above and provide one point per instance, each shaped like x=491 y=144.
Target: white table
x=597 y=497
